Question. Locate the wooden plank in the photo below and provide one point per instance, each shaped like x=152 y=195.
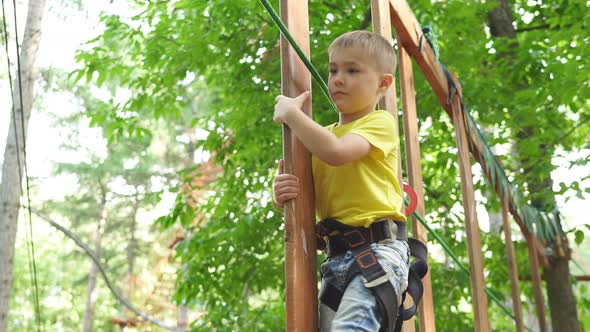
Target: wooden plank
x=408 y=96
x=480 y=302
x=300 y=240
x=513 y=272
x=578 y=278
x=537 y=291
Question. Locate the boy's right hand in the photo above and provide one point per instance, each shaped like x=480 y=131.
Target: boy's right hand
x=285 y=187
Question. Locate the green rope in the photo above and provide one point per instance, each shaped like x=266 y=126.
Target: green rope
x=547 y=227
x=448 y=250
x=314 y=73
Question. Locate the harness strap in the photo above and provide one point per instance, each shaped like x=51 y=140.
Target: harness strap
x=358 y=240
x=418 y=270
x=388 y=306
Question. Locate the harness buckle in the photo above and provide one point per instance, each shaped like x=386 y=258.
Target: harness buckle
x=389 y=229
x=378 y=281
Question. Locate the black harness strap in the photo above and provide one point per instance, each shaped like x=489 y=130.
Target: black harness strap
x=342 y=238
x=418 y=270
x=366 y=263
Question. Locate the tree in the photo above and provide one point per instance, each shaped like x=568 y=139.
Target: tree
x=538 y=162
x=112 y=188
x=12 y=168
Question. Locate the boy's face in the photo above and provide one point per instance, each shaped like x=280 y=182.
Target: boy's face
x=354 y=83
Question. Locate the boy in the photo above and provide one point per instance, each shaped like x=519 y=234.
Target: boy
x=358 y=198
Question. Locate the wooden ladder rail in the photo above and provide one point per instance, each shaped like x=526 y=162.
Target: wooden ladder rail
x=512 y=270
x=300 y=240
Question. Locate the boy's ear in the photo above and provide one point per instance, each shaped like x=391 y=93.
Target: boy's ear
x=386 y=81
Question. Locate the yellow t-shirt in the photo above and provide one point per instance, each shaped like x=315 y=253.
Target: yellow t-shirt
x=363 y=191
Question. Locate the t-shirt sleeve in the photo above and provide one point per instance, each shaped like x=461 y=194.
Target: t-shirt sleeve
x=380 y=132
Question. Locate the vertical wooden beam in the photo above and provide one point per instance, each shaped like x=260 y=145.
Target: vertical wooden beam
x=536 y=277
x=426 y=306
x=300 y=246
x=382 y=26
x=480 y=302
x=512 y=267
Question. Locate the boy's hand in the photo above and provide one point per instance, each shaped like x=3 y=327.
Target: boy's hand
x=285 y=187
x=285 y=105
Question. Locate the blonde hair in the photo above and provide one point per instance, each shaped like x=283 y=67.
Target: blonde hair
x=377 y=47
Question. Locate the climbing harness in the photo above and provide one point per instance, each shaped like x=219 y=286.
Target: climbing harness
x=342 y=238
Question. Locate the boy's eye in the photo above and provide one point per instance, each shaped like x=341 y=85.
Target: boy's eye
x=353 y=70
x=333 y=71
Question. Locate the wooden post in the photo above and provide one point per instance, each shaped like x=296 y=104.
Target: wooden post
x=512 y=267
x=382 y=26
x=536 y=277
x=426 y=306
x=480 y=302
x=300 y=246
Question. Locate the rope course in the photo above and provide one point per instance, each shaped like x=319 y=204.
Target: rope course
x=321 y=83
x=543 y=226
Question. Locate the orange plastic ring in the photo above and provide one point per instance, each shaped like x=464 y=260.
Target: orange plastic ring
x=413 y=199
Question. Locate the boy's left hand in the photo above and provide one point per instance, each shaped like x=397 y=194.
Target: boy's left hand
x=286 y=105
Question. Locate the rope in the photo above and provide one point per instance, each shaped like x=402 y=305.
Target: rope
x=285 y=31
x=29 y=235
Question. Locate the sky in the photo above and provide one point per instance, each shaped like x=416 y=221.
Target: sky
x=64 y=30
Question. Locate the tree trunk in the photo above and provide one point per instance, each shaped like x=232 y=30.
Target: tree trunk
x=562 y=303
x=130 y=280
x=561 y=296
x=182 y=319
x=12 y=169
x=93 y=275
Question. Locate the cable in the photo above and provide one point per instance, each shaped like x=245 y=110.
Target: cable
x=29 y=236
x=279 y=23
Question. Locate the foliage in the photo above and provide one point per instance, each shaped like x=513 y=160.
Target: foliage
x=232 y=258
x=132 y=175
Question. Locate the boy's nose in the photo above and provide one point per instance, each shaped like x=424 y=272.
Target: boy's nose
x=338 y=80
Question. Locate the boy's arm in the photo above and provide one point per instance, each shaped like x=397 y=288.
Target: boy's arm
x=318 y=140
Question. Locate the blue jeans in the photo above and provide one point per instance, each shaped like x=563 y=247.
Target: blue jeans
x=358 y=309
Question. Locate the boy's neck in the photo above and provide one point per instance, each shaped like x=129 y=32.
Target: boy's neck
x=348 y=118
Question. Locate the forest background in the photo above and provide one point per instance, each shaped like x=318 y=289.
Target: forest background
x=151 y=139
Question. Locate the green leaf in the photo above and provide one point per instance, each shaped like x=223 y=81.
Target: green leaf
x=579 y=236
